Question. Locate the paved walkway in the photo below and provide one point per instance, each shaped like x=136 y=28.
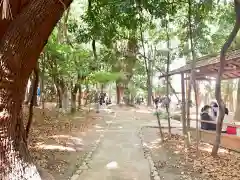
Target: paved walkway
x=120 y=156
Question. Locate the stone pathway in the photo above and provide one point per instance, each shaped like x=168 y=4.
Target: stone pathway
x=119 y=155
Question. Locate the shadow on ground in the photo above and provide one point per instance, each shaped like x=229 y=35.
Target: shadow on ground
x=59 y=142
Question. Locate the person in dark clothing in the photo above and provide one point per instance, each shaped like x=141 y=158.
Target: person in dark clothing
x=156 y=101
x=102 y=98
x=215 y=109
x=206 y=117
x=138 y=101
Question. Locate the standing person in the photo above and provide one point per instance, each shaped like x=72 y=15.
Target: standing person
x=102 y=98
x=156 y=101
x=138 y=101
x=38 y=95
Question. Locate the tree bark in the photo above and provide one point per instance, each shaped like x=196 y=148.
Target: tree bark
x=20 y=48
x=192 y=82
x=86 y=94
x=80 y=96
x=218 y=97
x=42 y=83
x=33 y=99
x=96 y=59
x=160 y=126
x=167 y=79
x=189 y=91
x=73 y=98
x=149 y=89
x=31 y=91
x=184 y=112
x=119 y=91
x=148 y=64
x=65 y=100
x=60 y=96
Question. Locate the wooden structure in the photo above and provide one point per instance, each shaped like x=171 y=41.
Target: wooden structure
x=207 y=69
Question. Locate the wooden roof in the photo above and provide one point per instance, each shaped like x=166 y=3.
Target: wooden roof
x=207 y=66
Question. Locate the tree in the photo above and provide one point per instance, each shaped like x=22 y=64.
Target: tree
x=218 y=80
x=22 y=41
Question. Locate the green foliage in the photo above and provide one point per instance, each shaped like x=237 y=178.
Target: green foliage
x=117 y=26
x=161 y=114
x=105 y=77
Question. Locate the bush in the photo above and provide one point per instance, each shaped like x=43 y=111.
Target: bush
x=176 y=117
x=162 y=115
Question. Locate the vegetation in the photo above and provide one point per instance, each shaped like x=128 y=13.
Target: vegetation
x=77 y=51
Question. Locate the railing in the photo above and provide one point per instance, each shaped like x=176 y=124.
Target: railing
x=228 y=141
x=214 y=122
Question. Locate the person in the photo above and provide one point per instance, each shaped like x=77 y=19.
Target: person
x=166 y=101
x=215 y=109
x=156 y=101
x=215 y=113
x=108 y=101
x=102 y=98
x=206 y=116
x=138 y=101
x=38 y=95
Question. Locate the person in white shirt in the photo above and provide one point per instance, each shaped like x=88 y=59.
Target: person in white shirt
x=214 y=106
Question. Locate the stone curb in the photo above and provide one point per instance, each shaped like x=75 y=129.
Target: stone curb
x=147 y=154
x=88 y=157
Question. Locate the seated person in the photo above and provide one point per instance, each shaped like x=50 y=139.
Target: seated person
x=205 y=115
x=215 y=109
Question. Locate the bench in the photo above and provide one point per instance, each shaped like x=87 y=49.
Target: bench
x=228 y=141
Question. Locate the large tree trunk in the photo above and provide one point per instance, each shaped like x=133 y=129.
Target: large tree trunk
x=15 y=160
x=59 y=95
x=119 y=91
x=65 y=100
x=118 y=94
x=26 y=94
x=20 y=47
x=61 y=91
x=31 y=92
x=80 y=96
x=86 y=94
x=73 y=98
x=33 y=99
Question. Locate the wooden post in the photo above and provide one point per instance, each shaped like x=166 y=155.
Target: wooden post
x=186 y=84
x=183 y=105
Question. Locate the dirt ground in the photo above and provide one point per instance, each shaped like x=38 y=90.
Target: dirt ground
x=58 y=142
x=174 y=162
x=169 y=163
